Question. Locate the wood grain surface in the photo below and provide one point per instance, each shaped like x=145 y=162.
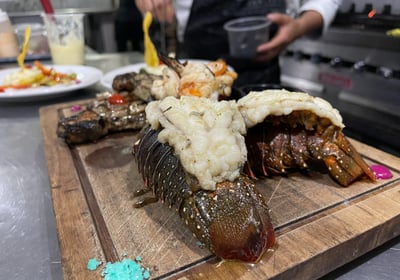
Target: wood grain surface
x=320 y=225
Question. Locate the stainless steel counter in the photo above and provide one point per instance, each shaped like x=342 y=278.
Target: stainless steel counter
x=29 y=245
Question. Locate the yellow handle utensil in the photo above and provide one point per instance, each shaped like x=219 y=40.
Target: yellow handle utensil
x=150 y=53
x=21 y=56
x=394 y=32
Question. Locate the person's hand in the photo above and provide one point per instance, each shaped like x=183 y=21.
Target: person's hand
x=289 y=29
x=287 y=32
x=162 y=10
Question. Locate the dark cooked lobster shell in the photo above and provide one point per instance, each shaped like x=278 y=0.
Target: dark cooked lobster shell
x=233 y=221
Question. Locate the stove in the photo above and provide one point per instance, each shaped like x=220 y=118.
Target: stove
x=356 y=67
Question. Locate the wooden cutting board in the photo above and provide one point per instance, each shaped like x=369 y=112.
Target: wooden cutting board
x=320 y=225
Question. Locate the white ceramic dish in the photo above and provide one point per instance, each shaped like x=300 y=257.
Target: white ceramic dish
x=86 y=76
x=108 y=78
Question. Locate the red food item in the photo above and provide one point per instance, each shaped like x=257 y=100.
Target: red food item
x=116 y=99
x=75 y=108
x=43 y=69
x=3 y=88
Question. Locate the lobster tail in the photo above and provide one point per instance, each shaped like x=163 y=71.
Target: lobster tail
x=232 y=221
x=224 y=210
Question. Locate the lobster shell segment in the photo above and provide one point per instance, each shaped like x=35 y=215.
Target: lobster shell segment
x=232 y=221
x=161 y=170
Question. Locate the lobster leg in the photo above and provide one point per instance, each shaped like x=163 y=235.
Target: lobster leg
x=172 y=63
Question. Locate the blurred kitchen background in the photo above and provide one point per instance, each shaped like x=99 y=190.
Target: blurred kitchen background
x=99 y=20
x=355 y=65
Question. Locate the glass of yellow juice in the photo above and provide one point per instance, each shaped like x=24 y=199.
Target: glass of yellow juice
x=65 y=34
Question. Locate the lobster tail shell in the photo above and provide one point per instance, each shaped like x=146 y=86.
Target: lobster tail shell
x=232 y=221
x=160 y=169
x=345 y=164
x=275 y=149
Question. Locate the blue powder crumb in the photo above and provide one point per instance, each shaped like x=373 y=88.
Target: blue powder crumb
x=93 y=264
x=126 y=269
x=146 y=274
x=200 y=244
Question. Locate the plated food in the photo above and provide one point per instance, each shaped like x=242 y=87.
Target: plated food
x=211 y=80
x=200 y=152
x=134 y=89
x=86 y=76
x=37 y=75
x=36 y=81
x=200 y=156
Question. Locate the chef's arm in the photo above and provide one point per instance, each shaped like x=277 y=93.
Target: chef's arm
x=289 y=29
x=315 y=16
x=326 y=8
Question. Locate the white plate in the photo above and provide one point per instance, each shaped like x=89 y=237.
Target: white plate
x=108 y=78
x=86 y=76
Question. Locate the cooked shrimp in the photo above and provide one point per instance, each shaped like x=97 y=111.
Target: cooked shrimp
x=192 y=78
x=168 y=86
